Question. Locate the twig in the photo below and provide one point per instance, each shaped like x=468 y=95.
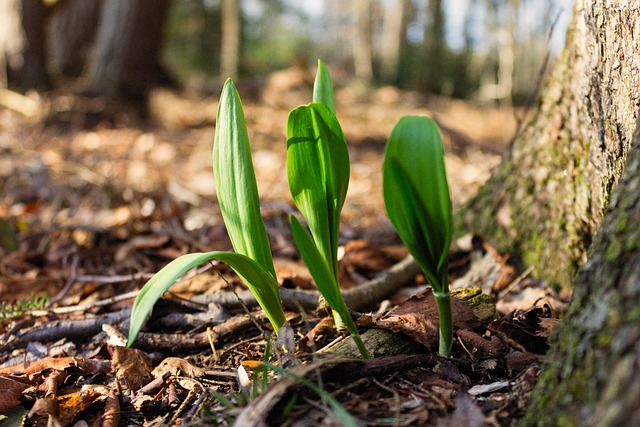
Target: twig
x=70 y=282
x=357 y=298
x=53 y=331
x=517 y=281
x=106 y=280
x=85 y=307
x=199 y=341
x=114 y=279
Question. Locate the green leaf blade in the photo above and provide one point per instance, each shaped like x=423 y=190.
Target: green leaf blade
x=416 y=193
x=318 y=170
x=258 y=279
x=416 y=197
x=235 y=180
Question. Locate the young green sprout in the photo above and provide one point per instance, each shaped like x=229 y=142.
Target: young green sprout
x=323 y=87
x=318 y=171
x=240 y=206
x=416 y=197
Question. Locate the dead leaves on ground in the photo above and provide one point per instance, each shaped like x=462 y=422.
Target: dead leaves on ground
x=495 y=362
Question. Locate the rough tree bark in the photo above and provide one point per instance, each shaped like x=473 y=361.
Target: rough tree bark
x=544 y=202
x=549 y=196
x=592 y=375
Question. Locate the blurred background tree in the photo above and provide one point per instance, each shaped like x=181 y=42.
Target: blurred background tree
x=489 y=50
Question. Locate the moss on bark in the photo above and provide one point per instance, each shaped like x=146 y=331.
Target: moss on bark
x=592 y=374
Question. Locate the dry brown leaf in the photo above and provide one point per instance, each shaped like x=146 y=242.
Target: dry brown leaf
x=417 y=317
x=10 y=391
x=30 y=368
x=64 y=409
x=362 y=259
x=177 y=366
x=467 y=413
x=131 y=367
x=111 y=414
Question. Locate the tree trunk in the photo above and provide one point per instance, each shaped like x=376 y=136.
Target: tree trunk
x=32 y=73
x=362 y=56
x=73 y=29
x=548 y=197
x=545 y=201
x=11 y=38
x=126 y=57
x=592 y=376
x=391 y=43
x=432 y=73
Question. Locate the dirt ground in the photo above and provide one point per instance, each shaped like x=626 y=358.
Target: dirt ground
x=99 y=198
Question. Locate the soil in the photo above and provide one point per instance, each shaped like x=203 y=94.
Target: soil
x=97 y=196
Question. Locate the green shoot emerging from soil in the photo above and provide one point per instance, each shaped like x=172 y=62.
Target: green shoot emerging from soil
x=416 y=197
x=240 y=206
x=318 y=172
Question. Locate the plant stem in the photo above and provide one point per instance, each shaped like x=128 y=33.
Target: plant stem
x=337 y=321
x=353 y=331
x=361 y=347
x=443 y=302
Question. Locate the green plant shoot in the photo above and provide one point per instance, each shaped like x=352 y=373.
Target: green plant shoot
x=240 y=206
x=318 y=171
x=323 y=87
x=416 y=197
x=237 y=192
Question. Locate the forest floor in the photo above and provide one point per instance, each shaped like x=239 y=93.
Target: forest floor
x=94 y=199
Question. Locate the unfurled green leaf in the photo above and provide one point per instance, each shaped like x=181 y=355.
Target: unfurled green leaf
x=235 y=181
x=416 y=194
x=318 y=172
x=260 y=281
x=240 y=206
x=323 y=87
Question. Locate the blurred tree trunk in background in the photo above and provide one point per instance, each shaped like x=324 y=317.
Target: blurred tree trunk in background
x=72 y=32
x=11 y=38
x=496 y=82
x=362 y=43
x=126 y=58
x=393 y=31
x=434 y=46
x=32 y=72
x=230 y=40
